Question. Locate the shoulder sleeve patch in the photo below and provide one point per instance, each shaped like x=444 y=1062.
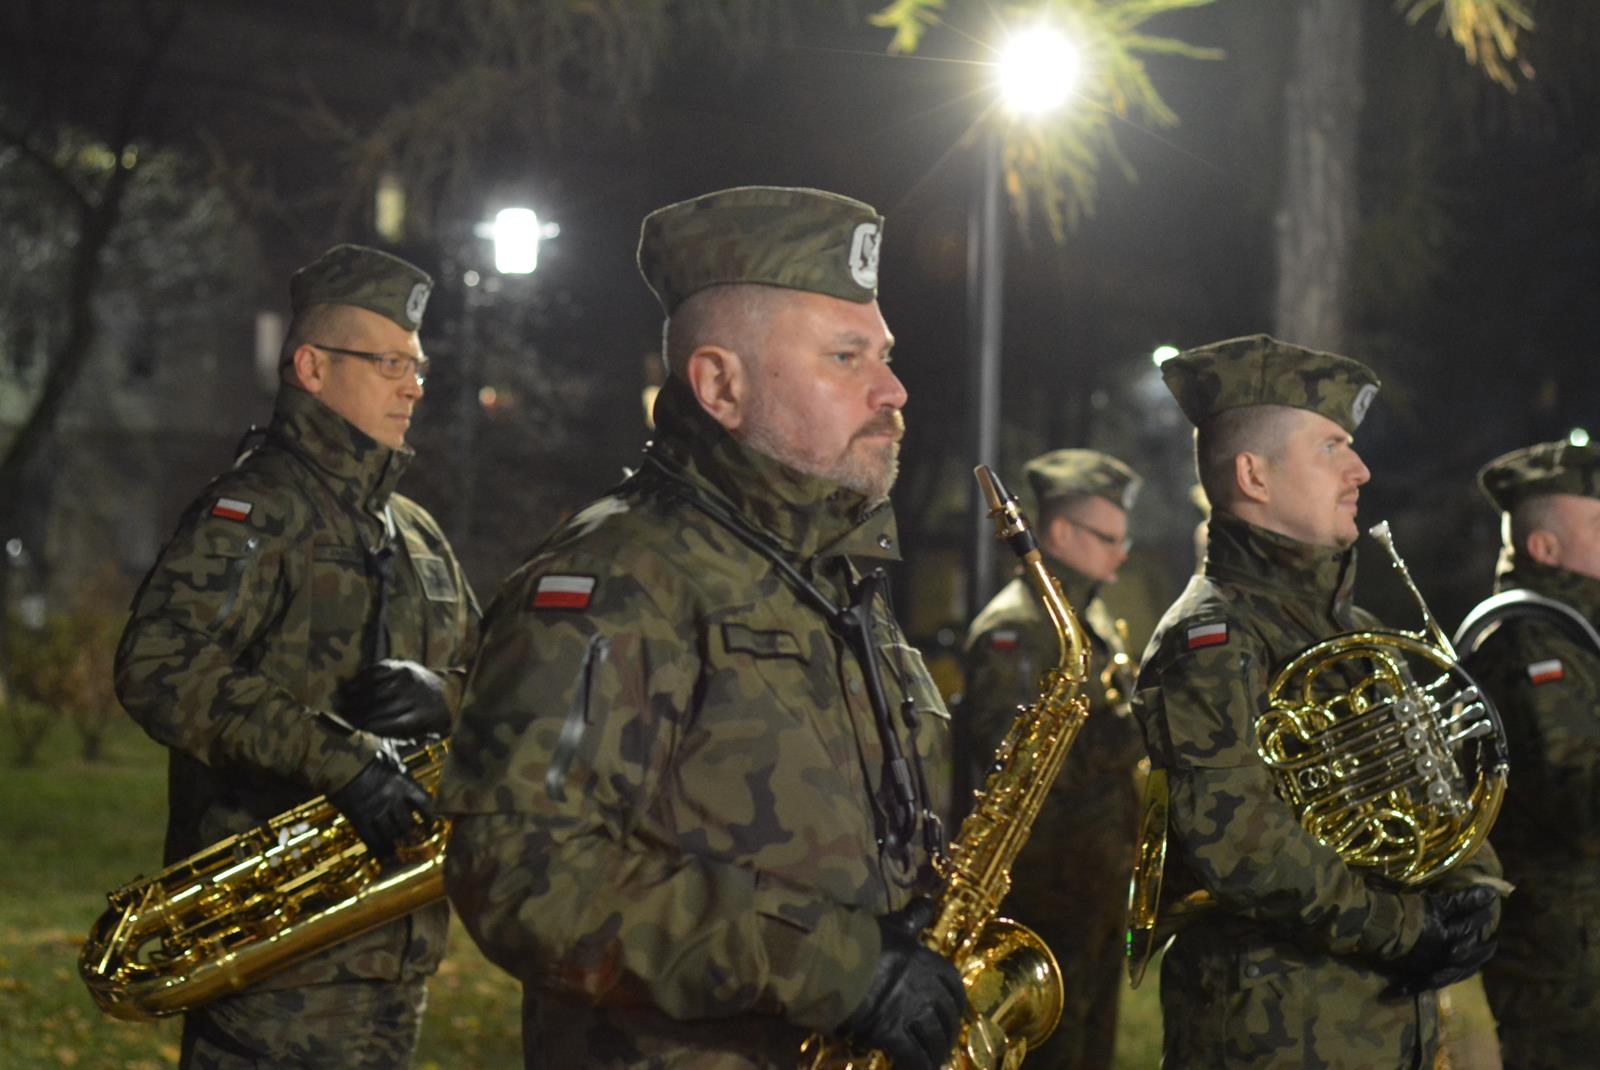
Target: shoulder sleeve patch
x=1199 y=636
x=232 y=509
x=1546 y=672
x=1004 y=639
x=561 y=591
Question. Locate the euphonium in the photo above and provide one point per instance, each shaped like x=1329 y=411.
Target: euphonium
x=254 y=903
x=1385 y=748
x=1012 y=980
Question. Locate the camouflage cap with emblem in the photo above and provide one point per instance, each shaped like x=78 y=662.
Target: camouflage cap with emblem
x=1260 y=370
x=1534 y=471
x=797 y=239
x=1071 y=473
x=366 y=278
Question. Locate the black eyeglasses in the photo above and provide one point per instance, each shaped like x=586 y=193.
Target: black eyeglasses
x=1125 y=543
x=392 y=363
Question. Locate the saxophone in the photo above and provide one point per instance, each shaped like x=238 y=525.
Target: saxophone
x=254 y=903
x=1012 y=980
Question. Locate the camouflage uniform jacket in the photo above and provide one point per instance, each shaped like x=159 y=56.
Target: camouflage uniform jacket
x=1546 y=686
x=1092 y=803
x=1286 y=971
x=257 y=612
x=666 y=792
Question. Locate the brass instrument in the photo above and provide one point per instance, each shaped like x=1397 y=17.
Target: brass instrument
x=254 y=903
x=1385 y=748
x=1012 y=980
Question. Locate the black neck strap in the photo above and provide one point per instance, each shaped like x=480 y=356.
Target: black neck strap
x=853 y=624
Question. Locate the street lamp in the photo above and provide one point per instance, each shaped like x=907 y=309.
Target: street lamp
x=1035 y=73
x=516 y=233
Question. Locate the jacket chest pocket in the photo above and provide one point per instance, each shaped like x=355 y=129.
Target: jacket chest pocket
x=343 y=597
x=426 y=614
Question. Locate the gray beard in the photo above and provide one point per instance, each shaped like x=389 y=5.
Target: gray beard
x=871 y=473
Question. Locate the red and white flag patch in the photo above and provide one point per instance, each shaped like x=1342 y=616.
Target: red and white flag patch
x=1004 y=639
x=232 y=509
x=1204 y=635
x=1545 y=672
x=563 y=592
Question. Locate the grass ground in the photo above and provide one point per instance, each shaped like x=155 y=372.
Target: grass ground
x=71 y=831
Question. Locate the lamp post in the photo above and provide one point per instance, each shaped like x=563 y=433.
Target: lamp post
x=516 y=234
x=1035 y=74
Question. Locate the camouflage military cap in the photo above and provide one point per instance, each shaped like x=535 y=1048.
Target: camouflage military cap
x=366 y=278
x=1069 y=473
x=1548 y=468
x=1260 y=370
x=798 y=239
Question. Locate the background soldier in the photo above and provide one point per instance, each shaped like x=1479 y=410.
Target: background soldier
x=1088 y=824
x=696 y=773
x=1544 y=675
x=300 y=597
x=1304 y=961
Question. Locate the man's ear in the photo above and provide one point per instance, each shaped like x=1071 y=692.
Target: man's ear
x=1055 y=535
x=721 y=383
x=1544 y=546
x=310 y=370
x=1250 y=476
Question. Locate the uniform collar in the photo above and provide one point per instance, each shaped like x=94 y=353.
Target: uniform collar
x=1240 y=552
x=361 y=470
x=807 y=516
x=1079 y=589
x=1575 y=589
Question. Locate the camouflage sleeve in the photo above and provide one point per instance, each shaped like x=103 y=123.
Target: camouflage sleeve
x=557 y=865
x=1234 y=832
x=183 y=669
x=1547 y=689
x=1002 y=671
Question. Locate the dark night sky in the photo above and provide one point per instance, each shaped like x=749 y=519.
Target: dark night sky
x=1484 y=343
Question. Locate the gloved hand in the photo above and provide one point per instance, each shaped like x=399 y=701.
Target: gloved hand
x=912 y=1010
x=383 y=804
x=398 y=700
x=1455 y=942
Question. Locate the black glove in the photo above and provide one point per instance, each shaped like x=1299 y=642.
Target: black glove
x=1456 y=939
x=383 y=804
x=912 y=1011
x=398 y=700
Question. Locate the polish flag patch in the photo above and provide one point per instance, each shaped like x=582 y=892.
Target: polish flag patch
x=1004 y=639
x=563 y=592
x=1204 y=635
x=1545 y=672
x=232 y=509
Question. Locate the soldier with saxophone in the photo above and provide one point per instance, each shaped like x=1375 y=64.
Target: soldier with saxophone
x=697 y=782
x=1087 y=826
x=1542 y=667
x=1302 y=960
x=303 y=617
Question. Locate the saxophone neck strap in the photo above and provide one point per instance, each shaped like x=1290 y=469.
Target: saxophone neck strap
x=852 y=623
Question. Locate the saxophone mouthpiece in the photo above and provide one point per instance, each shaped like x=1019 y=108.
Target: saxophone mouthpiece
x=994 y=491
x=1010 y=526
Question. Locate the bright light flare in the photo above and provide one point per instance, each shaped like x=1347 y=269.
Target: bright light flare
x=1162 y=354
x=1038 y=69
x=516 y=235
x=1578 y=437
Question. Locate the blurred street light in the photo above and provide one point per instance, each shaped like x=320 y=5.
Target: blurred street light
x=1162 y=354
x=516 y=233
x=1035 y=73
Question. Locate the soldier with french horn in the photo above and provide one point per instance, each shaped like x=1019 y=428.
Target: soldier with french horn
x=1290 y=955
x=1542 y=666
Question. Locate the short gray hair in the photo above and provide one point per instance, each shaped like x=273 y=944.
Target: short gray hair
x=732 y=316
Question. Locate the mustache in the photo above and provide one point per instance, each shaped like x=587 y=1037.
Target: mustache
x=889 y=421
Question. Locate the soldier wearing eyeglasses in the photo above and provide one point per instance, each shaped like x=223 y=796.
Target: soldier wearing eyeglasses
x=1087 y=824
x=304 y=620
